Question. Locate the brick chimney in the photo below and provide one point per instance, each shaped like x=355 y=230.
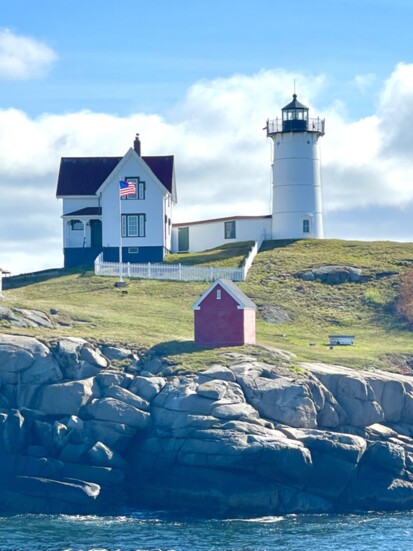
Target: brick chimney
x=137 y=145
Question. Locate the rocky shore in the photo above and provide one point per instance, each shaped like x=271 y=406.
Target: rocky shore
x=84 y=428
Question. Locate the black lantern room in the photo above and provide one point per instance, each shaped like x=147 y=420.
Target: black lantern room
x=295 y=116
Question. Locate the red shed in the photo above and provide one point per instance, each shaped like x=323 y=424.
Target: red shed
x=224 y=316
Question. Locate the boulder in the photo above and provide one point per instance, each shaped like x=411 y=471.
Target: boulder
x=274 y=314
x=407 y=411
x=180 y=395
x=78 y=359
x=234 y=411
x=106 y=379
x=35 y=318
x=64 y=398
x=67 y=351
x=18 y=353
x=385 y=456
x=333 y=275
x=126 y=396
x=217 y=372
x=353 y=391
x=392 y=400
x=116 y=352
x=116 y=436
x=335 y=458
x=93 y=356
x=357 y=399
x=213 y=389
x=179 y=423
x=147 y=387
x=110 y=409
x=44 y=370
x=281 y=400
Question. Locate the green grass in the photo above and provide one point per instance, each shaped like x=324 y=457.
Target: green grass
x=317 y=310
x=229 y=256
x=158 y=316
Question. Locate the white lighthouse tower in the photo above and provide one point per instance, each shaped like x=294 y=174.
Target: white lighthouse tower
x=297 y=211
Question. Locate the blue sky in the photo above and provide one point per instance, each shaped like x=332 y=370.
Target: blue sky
x=128 y=55
x=198 y=79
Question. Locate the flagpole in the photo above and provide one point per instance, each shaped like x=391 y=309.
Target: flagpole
x=120 y=240
x=125 y=189
x=120 y=283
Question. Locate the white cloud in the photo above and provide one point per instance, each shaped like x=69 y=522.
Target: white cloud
x=364 y=82
x=223 y=158
x=22 y=57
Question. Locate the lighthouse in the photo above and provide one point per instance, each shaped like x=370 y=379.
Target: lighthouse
x=297 y=210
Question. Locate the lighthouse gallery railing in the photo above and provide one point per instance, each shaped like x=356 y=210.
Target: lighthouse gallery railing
x=313 y=125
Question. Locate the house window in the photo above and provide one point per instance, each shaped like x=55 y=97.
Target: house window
x=140 y=190
x=306 y=226
x=218 y=294
x=133 y=225
x=230 y=229
x=76 y=225
x=133 y=250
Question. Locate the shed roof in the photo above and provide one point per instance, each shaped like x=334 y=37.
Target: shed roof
x=85 y=175
x=232 y=288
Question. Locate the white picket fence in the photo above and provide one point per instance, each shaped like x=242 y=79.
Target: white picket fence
x=176 y=272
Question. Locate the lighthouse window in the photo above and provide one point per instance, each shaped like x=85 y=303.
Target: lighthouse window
x=306 y=226
x=230 y=229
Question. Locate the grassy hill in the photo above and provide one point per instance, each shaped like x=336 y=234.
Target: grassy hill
x=158 y=315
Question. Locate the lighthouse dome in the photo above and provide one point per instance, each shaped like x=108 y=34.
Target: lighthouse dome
x=295 y=104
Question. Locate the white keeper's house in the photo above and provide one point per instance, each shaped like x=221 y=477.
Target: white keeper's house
x=95 y=220
x=89 y=187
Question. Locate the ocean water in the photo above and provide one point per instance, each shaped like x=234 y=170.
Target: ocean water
x=132 y=531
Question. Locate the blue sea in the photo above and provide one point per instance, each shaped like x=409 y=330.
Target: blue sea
x=132 y=531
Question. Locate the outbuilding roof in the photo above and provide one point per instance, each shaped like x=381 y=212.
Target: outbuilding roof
x=232 y=289
x=85 y=175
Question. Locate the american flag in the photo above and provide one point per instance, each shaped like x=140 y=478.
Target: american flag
x=126 y=188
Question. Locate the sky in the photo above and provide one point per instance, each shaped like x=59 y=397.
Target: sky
x=198 y=79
